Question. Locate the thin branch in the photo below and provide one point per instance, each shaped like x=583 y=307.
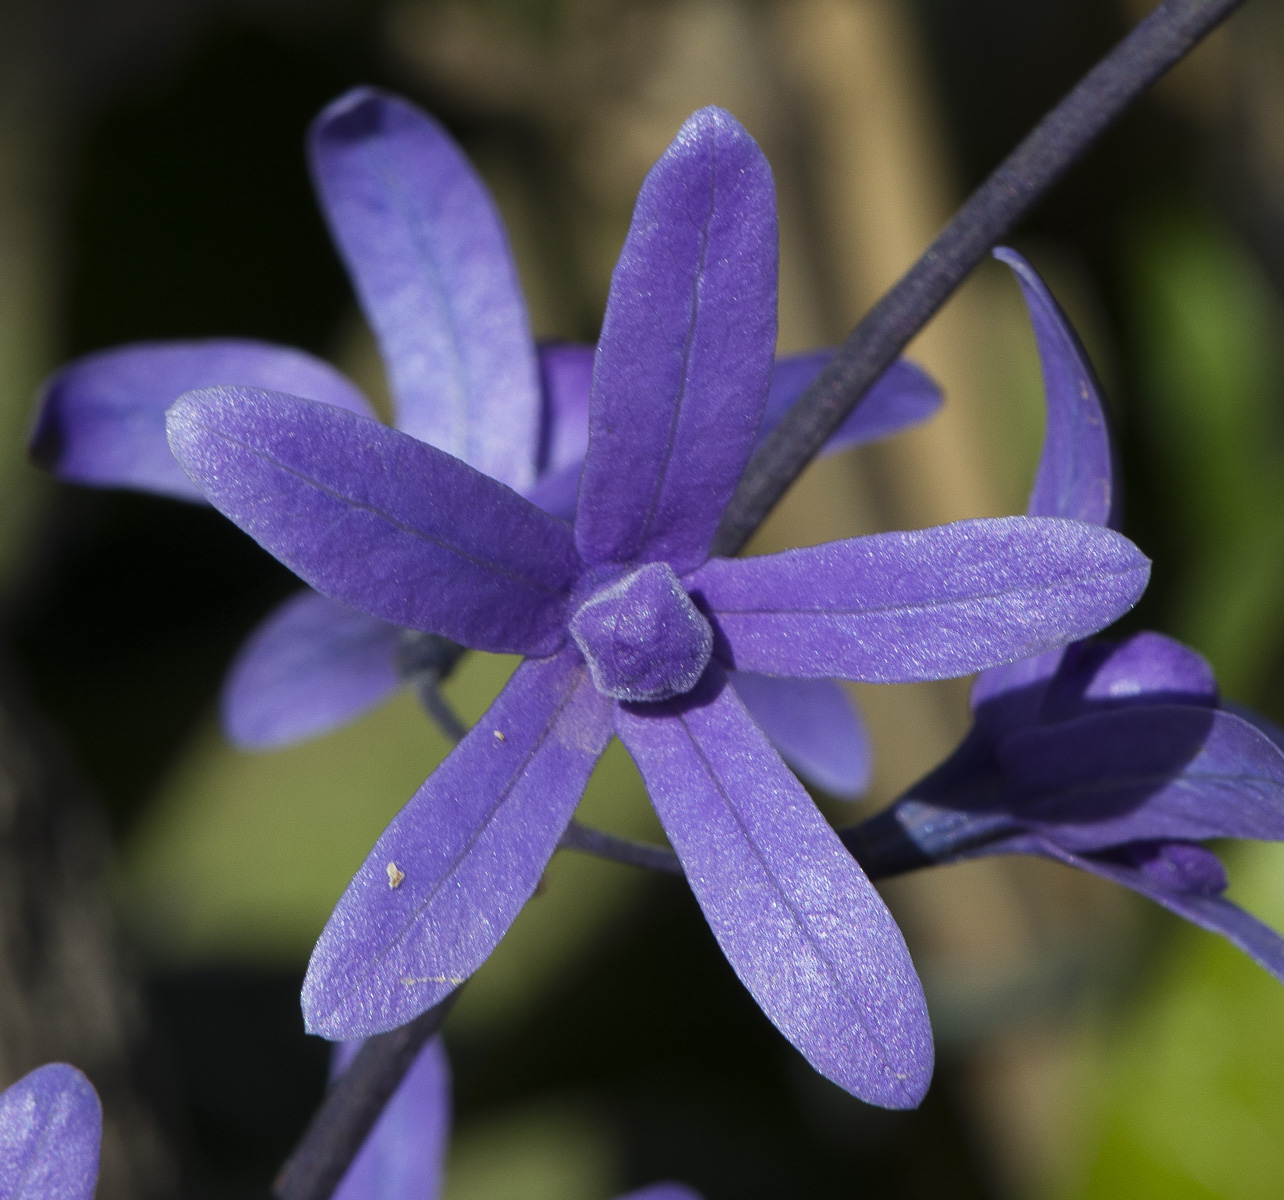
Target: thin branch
x=617 y=849
x=351 y=1107
x=1165 y=36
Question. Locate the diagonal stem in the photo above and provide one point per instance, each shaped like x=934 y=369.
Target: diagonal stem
x=1165 y=36
x=1171 y=30
x=352 y=1106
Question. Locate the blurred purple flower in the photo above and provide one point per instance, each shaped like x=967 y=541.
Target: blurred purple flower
x=629 y=627
x=51 y=1131
x=427 y=252
x=404 y=1155
x=1114 y=757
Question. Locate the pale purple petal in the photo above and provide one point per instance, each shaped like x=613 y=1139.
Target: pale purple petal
x=51 y=1129
x=815 y=726
x=801 y=925
x=101 y=419
x=311 y=666
x=684 y=360
x=924 y=604
x=380 y=521
x=427 y=252
x=1150 y=772
x=404 y=1155
x=903 y=396
x=566 y=378
x=664 y=1191
x=453 y=869
x=1074 y=476
x=1209 y=911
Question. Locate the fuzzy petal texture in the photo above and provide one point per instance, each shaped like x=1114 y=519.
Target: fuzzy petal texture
x=1150 y=772
x=101 y=419
x=685 y=356
x=904 y=396
x=1074 y=477
x=51 y=1129
x=796 y=917
x=815 y=726
x=925 y=604
x=404 y=1155
x=1209 y=911
x=379 y=521
x=427 y=252
x=465 y=854
x=311 y=666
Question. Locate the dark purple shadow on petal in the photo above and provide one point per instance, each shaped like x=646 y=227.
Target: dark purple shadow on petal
x=904 y=396
x=311 y=666
x=924 y=604
x=796 y=917
x=51 y=1129
x=404 y=1155
x=1074 y=478
x=453 y=869
x=684 y=360
x=1209 y=911
x=816 y=727
x=427 y=252
x=379 y=521
x=101 y=419
x=1149 y=772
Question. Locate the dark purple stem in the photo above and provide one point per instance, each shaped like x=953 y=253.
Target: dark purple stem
x=994 y=209
x=351 y=1107
x=1161 y=40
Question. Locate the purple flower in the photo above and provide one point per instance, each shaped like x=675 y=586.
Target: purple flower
x=629 y=628
x=404 y=1155
x=51 y=1130
x=435 y=276
x=1114 y=757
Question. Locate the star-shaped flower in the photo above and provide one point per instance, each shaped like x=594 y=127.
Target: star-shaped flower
x=428 y=254
x=628 y=627
x=1114 y=757
x=404 y=1154
x=51 y=1132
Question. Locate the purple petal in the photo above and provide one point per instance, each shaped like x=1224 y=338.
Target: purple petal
x=801 y=925
x=1212 y=912
x=1147 y=668
x=566 y=377
x=310 y=667
x=1009 y=696
x=664 y=1191
x=903 y=396
x=925 y=604
x=1152 y=772
x=101 y=419
x=814 y=725
x=684 y=360
x=404 y=1155
x=379 y=521
x=1074 y=476
x=51 y=1129
x=431 y=263
x=453 y=869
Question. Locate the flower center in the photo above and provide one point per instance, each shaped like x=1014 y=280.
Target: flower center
x=642 y=637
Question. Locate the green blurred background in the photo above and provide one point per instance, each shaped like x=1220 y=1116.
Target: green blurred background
x=152 y=184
